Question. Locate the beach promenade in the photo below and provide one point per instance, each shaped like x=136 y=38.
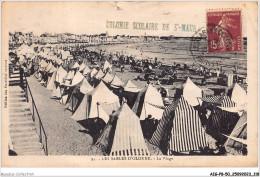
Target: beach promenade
x=65 y=136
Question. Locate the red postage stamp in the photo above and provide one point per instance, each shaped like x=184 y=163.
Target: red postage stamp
x=224 y=29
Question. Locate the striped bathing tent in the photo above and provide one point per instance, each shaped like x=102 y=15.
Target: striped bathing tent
x=218 y=99
x=123 y=135
x=180 y=129
x=162 y=134
x=238 y=137
x=227 y=102
x=222 y=121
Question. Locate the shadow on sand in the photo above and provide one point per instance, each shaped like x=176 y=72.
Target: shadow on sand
x=93 y=126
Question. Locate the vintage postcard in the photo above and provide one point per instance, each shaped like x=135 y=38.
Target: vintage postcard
x=129 y=84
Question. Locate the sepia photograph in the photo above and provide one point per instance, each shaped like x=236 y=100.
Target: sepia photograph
x=129 y=83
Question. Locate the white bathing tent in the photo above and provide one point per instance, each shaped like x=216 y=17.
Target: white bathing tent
x=99 y=74
x=59 y=79
x=80 y=87
x=191 y=92
x=82 y=67
x=130 y=87
x=86 y=70
x=93 y=72
x=90 y=105
x=239 y=96
x=61 y=75
x=67 y=84
x=148 y=101
x=51 y=79
x=107 y=78
x=75 y=66
x=116 y=82
x=107 y=65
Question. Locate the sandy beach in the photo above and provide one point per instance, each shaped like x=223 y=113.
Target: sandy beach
x=180 y=51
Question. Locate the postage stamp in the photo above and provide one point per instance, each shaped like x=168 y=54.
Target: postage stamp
x=224 y=31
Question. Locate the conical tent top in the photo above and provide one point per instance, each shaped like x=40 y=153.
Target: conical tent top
x=239 y=95
x=82 y=67
x=76 y=65
x=191 y=92
x=86 y=70
x=43 y=64
x=148 y=101
x=77 y=79
x=48 y=68
x=100 y=74
x=107 y=65
x=131 y=87
x=93 y=72
x=61 y=74
x=107 y=78
x=116 y=82
x=85 y=87
x=70 y=75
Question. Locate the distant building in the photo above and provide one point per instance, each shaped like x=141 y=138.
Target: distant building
x=151 y=38
x=19 y=38
x=167 y=38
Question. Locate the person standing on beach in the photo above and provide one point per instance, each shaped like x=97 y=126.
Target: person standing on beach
x=235 y=68
x=122 y=68
x=203 y=81
x=218 y=72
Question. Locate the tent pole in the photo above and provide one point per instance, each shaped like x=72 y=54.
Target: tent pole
x=72 y=102
x=144 y=110
x=98 y=109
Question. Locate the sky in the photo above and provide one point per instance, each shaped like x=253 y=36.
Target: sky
x=91 y=17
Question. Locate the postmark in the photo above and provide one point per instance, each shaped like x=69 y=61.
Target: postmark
x=224 y=31
x=198 y=49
